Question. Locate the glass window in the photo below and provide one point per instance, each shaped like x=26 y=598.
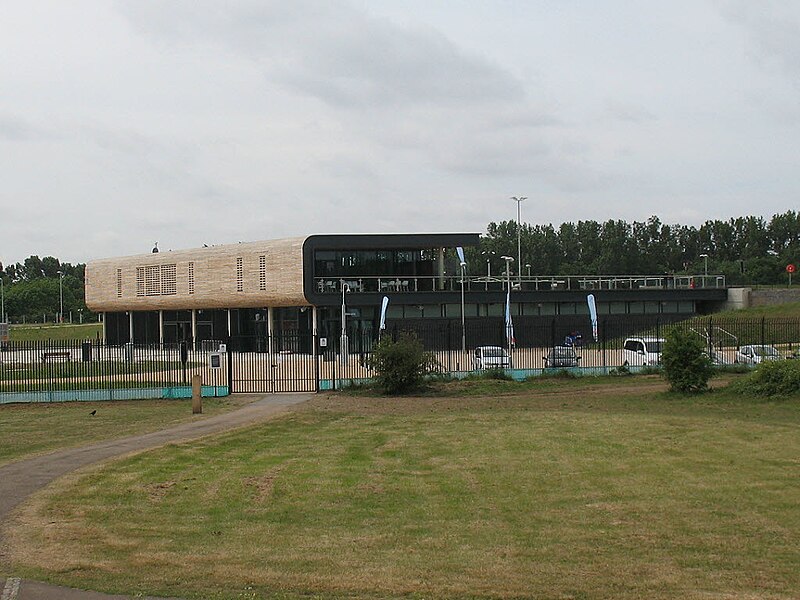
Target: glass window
x=547 y=308
x=669 y=307
x=413 y=311
x=496 y=310
x=453 y=311
x=636 y=308
x=617 y=308
x=530 y=309
x=566 y=308
x=652 y=308
x=432 y=310
x=394 y=312
x=686 y=307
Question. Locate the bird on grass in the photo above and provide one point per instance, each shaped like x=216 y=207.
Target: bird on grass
x=94 y=412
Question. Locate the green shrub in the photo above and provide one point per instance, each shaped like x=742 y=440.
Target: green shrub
x=771 y=378
x=686 y=366
x=401 y=365
x=560 y=374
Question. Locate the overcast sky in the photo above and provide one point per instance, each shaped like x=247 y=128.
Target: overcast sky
x=197 y=121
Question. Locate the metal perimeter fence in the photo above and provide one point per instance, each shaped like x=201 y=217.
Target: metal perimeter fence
x=300 y=361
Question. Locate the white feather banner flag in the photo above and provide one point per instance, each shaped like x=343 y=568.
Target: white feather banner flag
x=592 y=314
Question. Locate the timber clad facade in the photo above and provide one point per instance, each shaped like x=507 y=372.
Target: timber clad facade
x=247 y=275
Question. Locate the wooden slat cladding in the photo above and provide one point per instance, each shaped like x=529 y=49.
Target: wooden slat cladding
x=271 y=275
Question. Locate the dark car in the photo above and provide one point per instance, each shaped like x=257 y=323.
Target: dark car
x=561 y=356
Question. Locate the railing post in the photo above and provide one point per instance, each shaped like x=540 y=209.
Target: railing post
x=603 y=341
x=710 y=335
x=229 y=353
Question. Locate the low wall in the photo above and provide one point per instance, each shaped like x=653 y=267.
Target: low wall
x=768 y=297
x=106 y=395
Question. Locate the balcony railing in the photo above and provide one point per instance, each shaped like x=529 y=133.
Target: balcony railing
x=405 y=284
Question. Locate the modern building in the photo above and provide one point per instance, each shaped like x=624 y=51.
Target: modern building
x=250 y=293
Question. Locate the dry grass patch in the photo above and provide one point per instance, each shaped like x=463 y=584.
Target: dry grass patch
x=30 y=429
x=567 y=493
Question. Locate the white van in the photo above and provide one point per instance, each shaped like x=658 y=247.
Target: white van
x=642 y=351
x=491 y=357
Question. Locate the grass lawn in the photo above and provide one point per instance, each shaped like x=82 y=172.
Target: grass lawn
x=788 y=310
x=575 y=490
x=29 y=429
x=66 y=331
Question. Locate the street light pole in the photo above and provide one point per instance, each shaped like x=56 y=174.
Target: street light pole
x=463 y=321
x=508 y=260
x=518 y=200
x=705 y=268
x=60 y=296
x=2 y=301
x=343 y=344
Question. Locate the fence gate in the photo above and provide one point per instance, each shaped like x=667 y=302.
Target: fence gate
x=274 y=364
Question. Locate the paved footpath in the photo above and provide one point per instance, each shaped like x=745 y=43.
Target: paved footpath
x=20 y=479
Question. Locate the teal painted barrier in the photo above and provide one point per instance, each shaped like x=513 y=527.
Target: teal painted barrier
x=106 y=395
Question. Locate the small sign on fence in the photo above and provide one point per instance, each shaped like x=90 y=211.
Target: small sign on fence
x=215 y=360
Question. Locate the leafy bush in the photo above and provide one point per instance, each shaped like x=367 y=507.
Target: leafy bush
x=401 y=365
x=560 y=374
x=620 y=371
x=771 y=378
x=686 y=366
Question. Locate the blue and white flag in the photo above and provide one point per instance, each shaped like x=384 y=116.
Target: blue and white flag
x=592 y=314
x=384 y=305
x=509 y=322
x=460 y=252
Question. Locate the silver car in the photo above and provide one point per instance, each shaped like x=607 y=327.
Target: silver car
x=756 y=354
x=561 y=356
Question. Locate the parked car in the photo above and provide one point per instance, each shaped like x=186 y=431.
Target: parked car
x=491 y=357
x=561 y=356
x=756 y=354
x=642 y=351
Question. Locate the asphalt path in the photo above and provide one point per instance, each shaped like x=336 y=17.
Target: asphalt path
x=20 y=479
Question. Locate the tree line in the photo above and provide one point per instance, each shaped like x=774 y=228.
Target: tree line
x=747 y=250
x=33 y=290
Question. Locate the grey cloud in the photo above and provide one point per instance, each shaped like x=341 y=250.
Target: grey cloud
x=16 y=129
x=334 y=52
x=773 y=26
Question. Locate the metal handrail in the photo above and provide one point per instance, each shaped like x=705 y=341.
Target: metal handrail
x=433 y=283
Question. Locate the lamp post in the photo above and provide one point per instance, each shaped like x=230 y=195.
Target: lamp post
x=2 y=301
x=508 y=260
x=463 y=321
x=518 y=200
x=488 y=254
x=60 y=296
x=528 y=267
x=705 y=268
x=343 y=345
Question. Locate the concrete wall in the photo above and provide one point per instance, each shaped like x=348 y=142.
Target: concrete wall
x=738 y=298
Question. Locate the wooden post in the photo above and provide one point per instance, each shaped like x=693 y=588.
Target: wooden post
x=197 y=395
